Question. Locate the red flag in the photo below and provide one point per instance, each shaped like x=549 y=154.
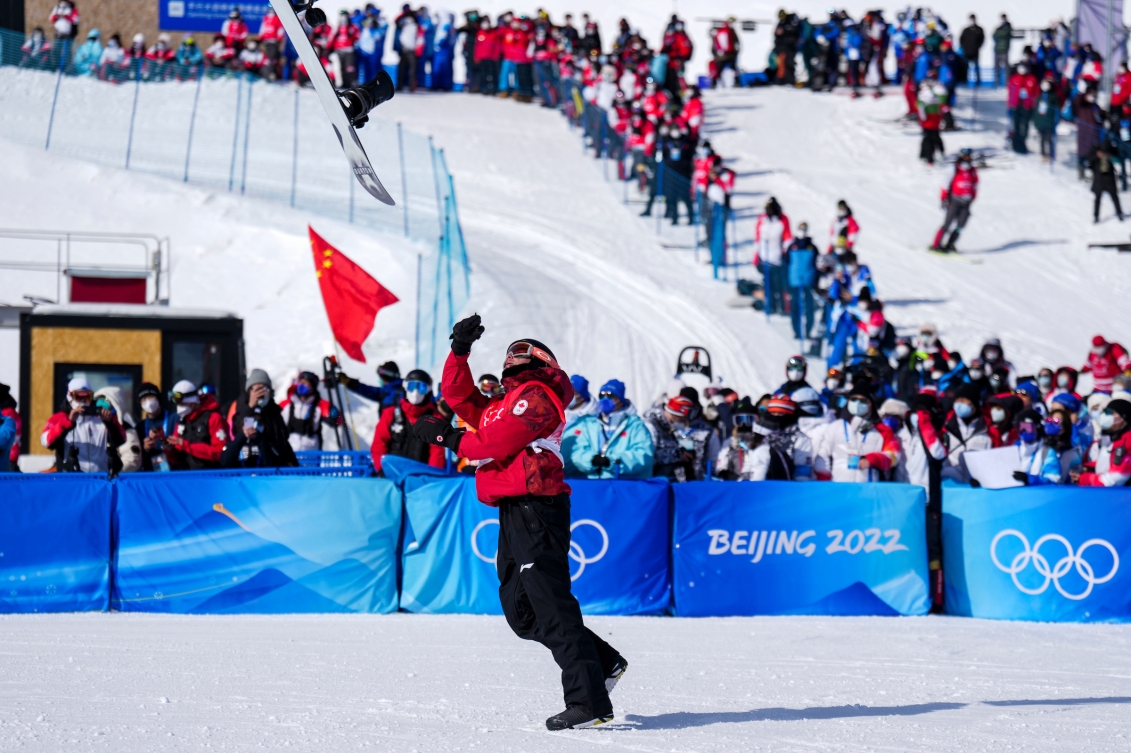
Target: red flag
x=351 y=295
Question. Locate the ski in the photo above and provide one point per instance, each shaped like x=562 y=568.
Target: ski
x=346 y=109
x=955 y=255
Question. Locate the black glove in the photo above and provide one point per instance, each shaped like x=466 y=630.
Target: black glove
x=1021 y=476
x=343 y=380
x=600 y=461
x=974 y=483
x=464 y=333
x=437 y=430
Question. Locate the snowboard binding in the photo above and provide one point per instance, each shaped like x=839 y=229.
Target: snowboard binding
x=359 y=101
x=314 y=16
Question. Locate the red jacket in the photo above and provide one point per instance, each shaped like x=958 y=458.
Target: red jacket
x=964 y=184
x=1112 y=464
x=516 y=431
x=218 y=433
x=271 y=29
x=693 y=114
x=1022 y=91
x=677 y=46
x=486 y=45
x=234 y=31
x=1121 y=90
x=60 y=423
x=1105 y=368
x=345 y=37
x=383 y=435
x=516 y=44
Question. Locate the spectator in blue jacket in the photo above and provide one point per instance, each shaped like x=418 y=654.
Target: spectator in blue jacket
x=389 y=393
x=615 y=443
x=801 y=265
x=371 y=46
x=188 y=53
x=8 y=438
x=88 y=55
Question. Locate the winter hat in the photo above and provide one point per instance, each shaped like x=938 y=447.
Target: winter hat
x=1098 y=341
x=808 y=401
x=1098 y=401
x=679 y=406
x=744 y=406
x=1031 y=389
x=6 y=399
x=93 y=34
x=389 y=371
x=1069 y=401
x=1032 y=415
x=79 y=383
x=925 y=400
x=148 y=389
x=971 y=393
x=580 y=386
x=257 y=376
x=691 y=394
x=1122 y=407
x=893 y=407
x=615 y=386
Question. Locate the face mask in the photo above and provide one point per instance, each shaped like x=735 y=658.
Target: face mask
x=1062 y=381
x=992 y=355
x=841 y=401
x=795 y=375
x=832 y=384
x=858 y=407
x=416 y=398
x=678 y=426
x=842 y=214
x=1044 y=380
x=976 y=374
x=607 y=405
x=902 y=351
x=936 y=375
x=997 y=414
x=952 y=365
x=928 y=338
x=150 y=405
x=1099 y=351
x=1107 y=420
x=1052 y=428
x=963 y=410
x=303 y=389
x=1027 y=437
x=261 y=402
x=183 y=409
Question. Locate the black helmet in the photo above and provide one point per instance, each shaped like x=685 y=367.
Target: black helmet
x=389 y=371
x=419 y=375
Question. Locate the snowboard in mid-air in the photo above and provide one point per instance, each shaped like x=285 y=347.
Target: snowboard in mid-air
x=348 y=108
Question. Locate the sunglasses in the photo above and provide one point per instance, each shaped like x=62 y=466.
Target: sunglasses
x=417 y=386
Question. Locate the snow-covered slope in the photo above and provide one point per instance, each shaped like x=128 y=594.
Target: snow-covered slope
x=128 y=682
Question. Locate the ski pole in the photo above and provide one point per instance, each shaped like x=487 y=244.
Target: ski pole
x=349 y=409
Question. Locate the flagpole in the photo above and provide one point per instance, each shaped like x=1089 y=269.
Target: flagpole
x=349 y=408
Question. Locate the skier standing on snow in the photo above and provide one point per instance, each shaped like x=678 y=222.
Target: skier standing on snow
x=959 y=195
x=518 y=436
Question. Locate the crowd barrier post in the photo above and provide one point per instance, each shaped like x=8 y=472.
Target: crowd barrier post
x=55 y=98
x=294 y=149
x=133 y=111
x=247 y=135
x=235 y=133
x=404 y=199
x=192 y=123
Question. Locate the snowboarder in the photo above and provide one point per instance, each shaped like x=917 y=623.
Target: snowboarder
x=957 y=199
x=1103 y=181
x=518 y=435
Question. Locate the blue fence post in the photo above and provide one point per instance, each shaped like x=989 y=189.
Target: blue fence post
x=55 y=99
x=192 y=121
x=235 y=132
x=246 y=134
x=133 y=113
x=404 y=189
x=294 y=152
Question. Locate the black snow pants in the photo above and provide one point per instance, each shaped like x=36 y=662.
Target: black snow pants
x=534 y=587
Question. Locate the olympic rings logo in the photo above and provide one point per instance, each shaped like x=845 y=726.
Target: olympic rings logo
x=576 y=553
x=1058 y=571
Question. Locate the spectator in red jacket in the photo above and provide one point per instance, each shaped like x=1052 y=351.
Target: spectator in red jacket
x=1110 y=455
x=273 y=37
x=394 y=434
x=520 y=433
x=84 y=433
x=234 y=30
x=487 y=57
x=1105 y=362
x=65 y=19
x=1121 y=87
x=343 y=42
x=201 y=431
x=1022 y=100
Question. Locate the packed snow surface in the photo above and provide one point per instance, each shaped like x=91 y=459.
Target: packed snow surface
x=446 y=683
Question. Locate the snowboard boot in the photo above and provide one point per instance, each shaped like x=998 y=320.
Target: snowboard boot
x=951 y=241
x=937 y=245
x=576 y=717
x=359 y=101
x=619 y=668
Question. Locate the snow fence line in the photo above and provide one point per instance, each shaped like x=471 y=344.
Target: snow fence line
x=298 y=541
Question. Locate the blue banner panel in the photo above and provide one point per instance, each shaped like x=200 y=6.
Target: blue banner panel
x=775 y=547
x=256 y=544
x=209 y=15
x=55 y=542
x=618 y=553
x=1050 y=553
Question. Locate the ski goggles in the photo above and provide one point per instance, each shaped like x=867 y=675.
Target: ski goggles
x=178 y=397
x=522 y=352
x=417 y=386
x=488 y=385
x=745 y=420
x=1027 y=427
x=82 y=396
x=795 y=362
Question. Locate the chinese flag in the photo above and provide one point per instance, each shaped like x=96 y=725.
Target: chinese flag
x=351 y=295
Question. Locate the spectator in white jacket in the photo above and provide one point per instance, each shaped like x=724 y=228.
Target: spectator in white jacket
x=856 y=448
x=966 y=431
